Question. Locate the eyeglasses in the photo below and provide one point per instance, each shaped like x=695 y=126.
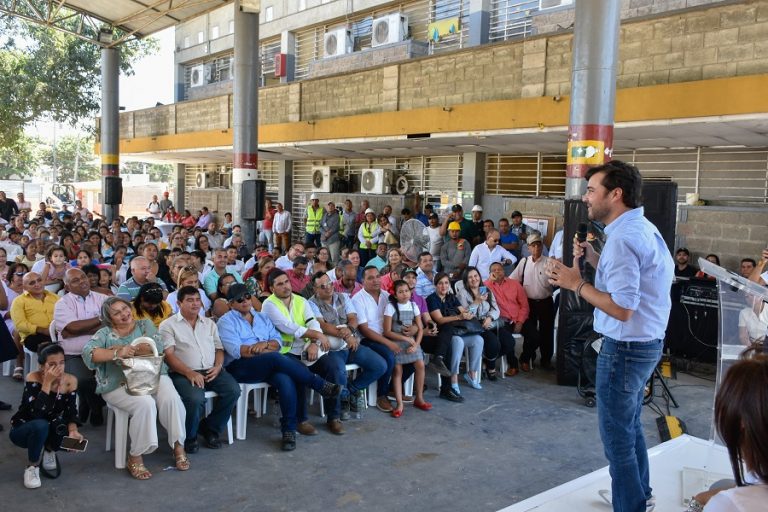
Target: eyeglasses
x=19 y=273
x=325 y=286
x=244 y=298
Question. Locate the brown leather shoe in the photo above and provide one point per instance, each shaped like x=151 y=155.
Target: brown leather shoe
x=336 y=427
x=526 y=367
x=305 y=428
x=383 y=404
x=511 y=372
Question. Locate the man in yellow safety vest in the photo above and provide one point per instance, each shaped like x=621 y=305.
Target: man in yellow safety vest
x=314 y=216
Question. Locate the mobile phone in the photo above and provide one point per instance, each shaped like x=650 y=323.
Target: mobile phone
x=77 y=445
x=483 y=290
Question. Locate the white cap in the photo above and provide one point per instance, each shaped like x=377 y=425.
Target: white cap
x=370 y=210
x=477 y=208
x=313 y=197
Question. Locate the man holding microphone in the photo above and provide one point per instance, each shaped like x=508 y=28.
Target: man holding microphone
x=632 y=302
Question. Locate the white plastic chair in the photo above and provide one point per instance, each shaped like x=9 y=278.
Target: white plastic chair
x=351 y=368
x=120 y=419
x=30 y=361
x=209 y=396
x=259 y=404
x=7 y=368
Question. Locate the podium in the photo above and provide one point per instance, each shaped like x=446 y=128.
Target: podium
x=686 y=465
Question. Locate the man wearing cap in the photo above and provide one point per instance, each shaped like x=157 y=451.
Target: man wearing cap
x=477 y=235
x=490 y=252
x=281 y=226
x=454 y=256
x=330 y=225
x=165 y=203
x=457 y=215
x=368 y=235
x=682 y=266
x=540 y=325
x=314 y=216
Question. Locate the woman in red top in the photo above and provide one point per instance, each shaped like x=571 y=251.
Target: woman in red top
x=265 y=237
x=188 y=221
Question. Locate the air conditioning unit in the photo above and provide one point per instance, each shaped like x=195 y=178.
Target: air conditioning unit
x=376 y=181
x=197 y=76
x=389 y=29
x=321 y=179
x=225 y=180
x=204 y=179
x=552 y=4
x=338 y=42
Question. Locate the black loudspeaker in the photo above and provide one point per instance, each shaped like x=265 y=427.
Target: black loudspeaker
x=253 y=196
x=660 y=204
x=113 y=190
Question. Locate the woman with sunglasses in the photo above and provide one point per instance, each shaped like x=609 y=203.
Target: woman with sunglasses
x=149 y=304
x=220 y=304
x=12 y=288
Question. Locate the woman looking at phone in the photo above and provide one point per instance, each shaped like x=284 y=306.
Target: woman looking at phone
x=47 y=413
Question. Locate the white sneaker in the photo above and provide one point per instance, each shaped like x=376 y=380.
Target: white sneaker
x=650 y=504
x=32 y=477
x=49 y=460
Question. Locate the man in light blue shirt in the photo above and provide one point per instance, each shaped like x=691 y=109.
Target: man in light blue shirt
x=632 y=302
x=425 y=275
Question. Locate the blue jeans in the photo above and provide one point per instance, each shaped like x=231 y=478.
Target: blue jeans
x=34 y=435
x=288 y=376
x=194 y=401
x=372 y=365
x=312 y=239
x=382 y=385
x=331 y=368
x=623 y=368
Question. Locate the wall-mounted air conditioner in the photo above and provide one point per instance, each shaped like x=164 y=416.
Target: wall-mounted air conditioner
x=321 y=179
x=204 y=179
x=337 y=42
x=197 y=76
x=389 y=29
x=552 y=4
x=376 y=181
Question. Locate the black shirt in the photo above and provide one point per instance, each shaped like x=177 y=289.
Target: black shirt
x=689 y=271
x=8 y=209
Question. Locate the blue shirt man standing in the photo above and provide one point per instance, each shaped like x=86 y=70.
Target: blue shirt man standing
x=632 y=303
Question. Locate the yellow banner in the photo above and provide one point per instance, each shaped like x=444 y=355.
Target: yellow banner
x=442 y=28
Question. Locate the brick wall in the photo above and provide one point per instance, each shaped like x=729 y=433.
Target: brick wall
x=721 y=41
x=732 y=233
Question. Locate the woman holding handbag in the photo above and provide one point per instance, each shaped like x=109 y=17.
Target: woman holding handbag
x=448 y=313
x=103 y=353
x=478 y=299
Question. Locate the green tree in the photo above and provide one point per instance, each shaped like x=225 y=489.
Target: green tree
x=157 y=172
x=73 y=151
x=22 y=159
x=48 y=74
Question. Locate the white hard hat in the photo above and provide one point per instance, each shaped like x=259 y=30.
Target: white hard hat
x=313 y=197
x=477 y=208
x=370 y=210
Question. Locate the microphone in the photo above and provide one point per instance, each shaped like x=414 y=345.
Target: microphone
x=581 y=236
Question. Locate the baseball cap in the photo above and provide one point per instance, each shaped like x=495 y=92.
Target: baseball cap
x=408 y=270
x=454 y=226
x=456 y=208
x=516 y=213
x=236 y=292
x=477 y=208
x=533 y=238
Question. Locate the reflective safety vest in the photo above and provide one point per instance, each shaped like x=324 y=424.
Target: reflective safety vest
x=313 y=220
x=368 y=230
x=296 y=314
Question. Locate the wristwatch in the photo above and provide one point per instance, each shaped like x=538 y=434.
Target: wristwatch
x=695 y=506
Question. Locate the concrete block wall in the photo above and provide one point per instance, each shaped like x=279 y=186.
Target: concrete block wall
x=732 y=233
x=356 y=93
x=218 y=200
x=153 y=121
x=209 y=114
x=368 y=58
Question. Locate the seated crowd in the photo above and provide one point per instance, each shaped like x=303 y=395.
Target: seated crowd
x=78 y=291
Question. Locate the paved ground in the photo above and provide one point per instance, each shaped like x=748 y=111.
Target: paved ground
x=511 y=440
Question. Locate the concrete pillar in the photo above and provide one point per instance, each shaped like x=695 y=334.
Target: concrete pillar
x=479 y=22
x=472 y=180
x=593 y=90
x=288 y=47
x=285 y=184
x=246 y=113
x=180 y=182
x=110 y=134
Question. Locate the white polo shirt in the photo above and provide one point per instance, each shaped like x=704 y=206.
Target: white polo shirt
x=369 y=311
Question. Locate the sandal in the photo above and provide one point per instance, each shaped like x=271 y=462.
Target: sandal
x=182 y=462
x=424 y=406
x=18 y=374
x=138 y=470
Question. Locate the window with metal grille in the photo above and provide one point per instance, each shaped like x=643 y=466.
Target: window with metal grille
x=443 y=9
x=511 y=19
x=268 y=50
x=527 y=175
